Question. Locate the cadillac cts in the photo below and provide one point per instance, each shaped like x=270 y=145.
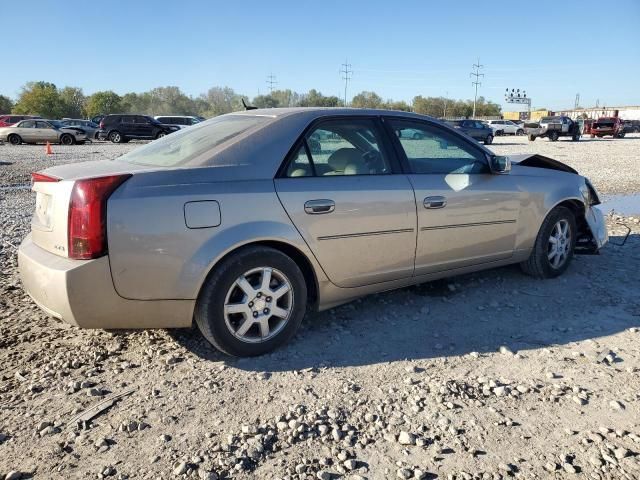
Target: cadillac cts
x=246 y=221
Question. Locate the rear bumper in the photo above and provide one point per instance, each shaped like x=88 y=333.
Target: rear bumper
x=81 y=293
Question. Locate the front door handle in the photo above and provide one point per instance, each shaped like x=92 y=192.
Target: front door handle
x=435 y=202
x=315 y=207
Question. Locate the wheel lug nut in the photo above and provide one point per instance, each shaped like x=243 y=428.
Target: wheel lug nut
x=268 y=299
x=255 y=314
x=259 y=295
x=250 y=304
x=266 y=310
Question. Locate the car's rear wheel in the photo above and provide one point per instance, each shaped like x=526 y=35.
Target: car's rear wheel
x=553 y=250
x=160 y=135
x=532 y=138
x=15 y=139
x=553 y=136
x=253 y=302
x=576 y=137
x=67 y=139
x=116 y=137
x=520 y=132
x=488 y=140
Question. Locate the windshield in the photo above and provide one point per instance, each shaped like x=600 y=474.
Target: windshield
x=185 y=145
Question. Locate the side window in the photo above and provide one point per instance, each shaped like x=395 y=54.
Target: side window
x=437 y=151
x=347 y=147
x=299 y=165
x=42 y=125
x=27 y=124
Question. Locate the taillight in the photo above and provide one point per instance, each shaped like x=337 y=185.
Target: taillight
x=87 y=229
x=41 y=177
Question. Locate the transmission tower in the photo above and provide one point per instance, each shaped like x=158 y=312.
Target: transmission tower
x=346 y=76
x=476 y=73
x=271 y=81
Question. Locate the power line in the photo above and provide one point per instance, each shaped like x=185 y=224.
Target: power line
x=347 y=73
x=271 y=81
x=476 y=73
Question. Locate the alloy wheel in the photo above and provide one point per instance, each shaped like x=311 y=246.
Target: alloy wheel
x=258 y=305
x=559 y=244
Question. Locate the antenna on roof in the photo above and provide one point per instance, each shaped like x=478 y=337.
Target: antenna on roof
x=248 y=107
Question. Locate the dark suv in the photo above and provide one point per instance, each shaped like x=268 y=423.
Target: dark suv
x=122 y=128
x=475 y=129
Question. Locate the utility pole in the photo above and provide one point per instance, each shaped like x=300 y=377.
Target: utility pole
x=444 y=114
x=577 y=100
x=476 y=73
x=346 y=76
x=271 y=81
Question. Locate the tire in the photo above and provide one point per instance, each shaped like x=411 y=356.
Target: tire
x=539 y=264
x=519 y=132
x=575 y=138
x=592 y=136
x=621 y=135
x=116 y=137
x=224 y=329
x=553 y=136
x=532 y=138
x=488 y=140
x=160 y=135
x=499 y=133
x=416 y=136
x=67 y=139
x=15 y=139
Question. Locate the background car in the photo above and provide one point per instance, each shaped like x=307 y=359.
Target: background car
x=475 y=129
x=122 y=128
x=89 y=127
x=505 y=127
x=41 y=131
x=604 y=126
x=180 y=121
x=554 y=127
x=8 y=120
x=237 y=224
x=409 y=133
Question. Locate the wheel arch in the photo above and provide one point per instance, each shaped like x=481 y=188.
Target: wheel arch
x=301 y=259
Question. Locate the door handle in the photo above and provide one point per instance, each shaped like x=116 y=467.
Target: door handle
x=315 y=207
x=435 y=202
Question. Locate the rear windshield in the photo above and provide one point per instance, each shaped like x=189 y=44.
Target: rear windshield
x=185 y=145
x=605 y=123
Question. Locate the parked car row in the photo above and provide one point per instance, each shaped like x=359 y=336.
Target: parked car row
x=17 y=129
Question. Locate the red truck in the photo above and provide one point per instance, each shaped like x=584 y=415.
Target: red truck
x=613 y=126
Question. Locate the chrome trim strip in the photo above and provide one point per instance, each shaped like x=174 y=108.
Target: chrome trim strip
x=366 y=234
x=462 y=225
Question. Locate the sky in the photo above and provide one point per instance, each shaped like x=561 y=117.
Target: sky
x=553 y=49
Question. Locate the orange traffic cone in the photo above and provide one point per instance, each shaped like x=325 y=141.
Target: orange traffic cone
x=48 y=150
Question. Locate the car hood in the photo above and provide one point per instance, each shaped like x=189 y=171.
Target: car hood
x=540 y=161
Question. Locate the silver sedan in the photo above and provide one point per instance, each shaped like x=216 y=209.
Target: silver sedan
x=41 y=131
x=244 y=224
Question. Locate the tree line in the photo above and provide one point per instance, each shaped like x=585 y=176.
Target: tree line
x=49 y=101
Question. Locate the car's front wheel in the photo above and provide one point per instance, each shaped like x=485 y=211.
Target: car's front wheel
x=553 y=249
x=67 y=139
x=160 y=135
x=520 y=132
x=253 y=302
x=488 y=140
x=553 y=136
x=15 y=139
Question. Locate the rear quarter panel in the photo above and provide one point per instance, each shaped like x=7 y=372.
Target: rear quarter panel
x=152 y=253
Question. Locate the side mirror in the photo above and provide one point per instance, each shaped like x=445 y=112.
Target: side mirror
x=500 y=164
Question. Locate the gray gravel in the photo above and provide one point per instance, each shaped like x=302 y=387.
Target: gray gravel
x=486 y=376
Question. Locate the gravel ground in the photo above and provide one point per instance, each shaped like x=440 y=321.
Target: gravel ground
x=484 y=376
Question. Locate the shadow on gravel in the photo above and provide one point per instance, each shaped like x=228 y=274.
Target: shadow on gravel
x=472 y=313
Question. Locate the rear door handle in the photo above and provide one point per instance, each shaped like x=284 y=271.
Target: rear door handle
x=435 y=202
x=315 y=207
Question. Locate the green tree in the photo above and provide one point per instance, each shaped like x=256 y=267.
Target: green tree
x=397 y=105
x=313 y=98
x=73 y=102
x=104 y=102
x=218 y=101
x=39 y=98
x=367 y=100
x=5 y=104
x=265 y=101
